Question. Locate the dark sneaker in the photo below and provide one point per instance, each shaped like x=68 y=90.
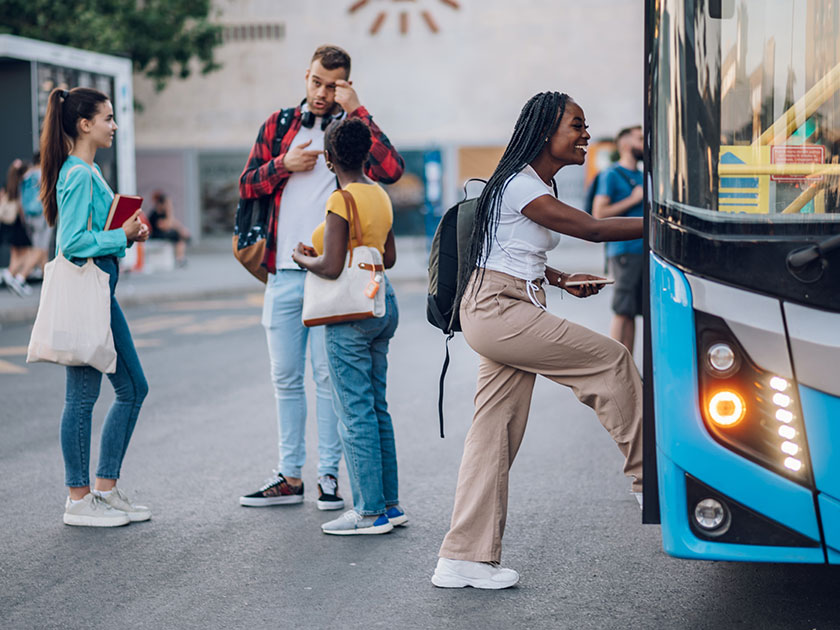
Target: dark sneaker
x=351 y=522
x=396 y=515
x=328 y=498
x=275 y=491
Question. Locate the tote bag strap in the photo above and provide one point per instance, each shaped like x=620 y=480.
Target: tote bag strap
x=90 y=215
x=355 y=226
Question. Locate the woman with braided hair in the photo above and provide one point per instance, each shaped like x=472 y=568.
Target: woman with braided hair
x=503 y=317
x=357 y=352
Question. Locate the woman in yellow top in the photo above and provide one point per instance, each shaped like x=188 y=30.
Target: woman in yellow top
x=357 y=352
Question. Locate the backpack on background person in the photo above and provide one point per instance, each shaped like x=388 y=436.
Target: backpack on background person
x=592 y=189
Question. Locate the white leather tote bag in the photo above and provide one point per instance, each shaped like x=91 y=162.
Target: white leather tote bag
x=357 y=293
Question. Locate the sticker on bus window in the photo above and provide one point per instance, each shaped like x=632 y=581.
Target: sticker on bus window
x=797 y=154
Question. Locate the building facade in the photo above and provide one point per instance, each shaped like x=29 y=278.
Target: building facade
x=443 y=78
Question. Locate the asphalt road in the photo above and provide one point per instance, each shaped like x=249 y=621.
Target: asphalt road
x=207 y=434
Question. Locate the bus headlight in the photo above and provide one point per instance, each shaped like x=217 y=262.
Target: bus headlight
x=746 y=408
x=721 y=358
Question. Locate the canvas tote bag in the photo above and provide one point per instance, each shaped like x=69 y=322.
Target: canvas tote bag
x=357 y=293
x=73 y=324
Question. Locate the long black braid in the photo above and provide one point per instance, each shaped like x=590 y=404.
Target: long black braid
x=537 y=121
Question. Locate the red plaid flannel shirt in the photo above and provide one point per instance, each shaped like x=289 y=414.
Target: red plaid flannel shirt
x=264 y=175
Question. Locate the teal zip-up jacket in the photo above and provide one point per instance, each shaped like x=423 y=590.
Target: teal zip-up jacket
x=79 y=190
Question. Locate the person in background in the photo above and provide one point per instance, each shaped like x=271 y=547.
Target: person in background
x=75 y=195
x=166 y=226
x=518 y=220
x=291 y=170
x=619 y=194
x=14 y=233
x=357 y=351
x=36 y=223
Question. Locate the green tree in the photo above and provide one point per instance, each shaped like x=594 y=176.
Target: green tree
x=160 y=36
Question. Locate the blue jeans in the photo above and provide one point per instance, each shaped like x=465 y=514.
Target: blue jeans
x=358 y=357
x=287 y=337
x=83 y=384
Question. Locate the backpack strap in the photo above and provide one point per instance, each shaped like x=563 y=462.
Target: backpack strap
x=620 y=170
x=284 y=123
x=442 y=377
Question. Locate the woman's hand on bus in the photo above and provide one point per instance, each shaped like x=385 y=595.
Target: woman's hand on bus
x=135 y=230
x=581 y=290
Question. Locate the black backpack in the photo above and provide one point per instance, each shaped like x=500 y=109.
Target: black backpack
x=589 y=201
x=250 y=224
x=446 y=258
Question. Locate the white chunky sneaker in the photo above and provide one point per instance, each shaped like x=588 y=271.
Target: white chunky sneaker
x=92 y=511
x=460 y=573
x=118 y=500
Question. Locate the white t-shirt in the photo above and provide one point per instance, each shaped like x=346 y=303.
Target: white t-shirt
x=302 y=206
x=521 y=244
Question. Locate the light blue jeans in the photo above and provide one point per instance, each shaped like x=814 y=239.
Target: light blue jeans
x=83 y=385
x=287 y=338
x=358 y=358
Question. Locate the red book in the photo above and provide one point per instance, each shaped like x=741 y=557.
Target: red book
x=121 y=210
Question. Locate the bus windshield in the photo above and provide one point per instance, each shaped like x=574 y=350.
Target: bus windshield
x=746 y=121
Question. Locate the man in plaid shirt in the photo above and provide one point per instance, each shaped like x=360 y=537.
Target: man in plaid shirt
x=299 y=183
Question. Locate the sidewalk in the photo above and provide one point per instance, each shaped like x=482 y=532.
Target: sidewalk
x=212 y=271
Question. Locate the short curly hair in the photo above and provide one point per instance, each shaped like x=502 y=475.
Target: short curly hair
x=348 y=141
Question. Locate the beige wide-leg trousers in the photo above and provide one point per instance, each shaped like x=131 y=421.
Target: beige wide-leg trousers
x=516 y=341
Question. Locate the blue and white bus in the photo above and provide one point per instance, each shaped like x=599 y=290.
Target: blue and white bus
x=742 y=329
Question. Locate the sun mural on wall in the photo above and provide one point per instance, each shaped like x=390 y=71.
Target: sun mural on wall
x=403 y=14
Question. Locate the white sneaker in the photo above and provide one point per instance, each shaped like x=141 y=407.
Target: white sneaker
x=460 y=573
x=25 y=288
x=13 y=283
x=118 y=500
x=92 y=511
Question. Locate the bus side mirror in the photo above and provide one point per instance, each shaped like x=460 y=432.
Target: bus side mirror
x=721 y=9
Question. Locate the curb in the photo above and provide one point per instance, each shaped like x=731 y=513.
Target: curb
x=25 y=313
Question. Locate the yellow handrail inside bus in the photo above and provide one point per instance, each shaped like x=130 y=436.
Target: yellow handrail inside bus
x=802 y=200
x=802 y=110
x=735 y=170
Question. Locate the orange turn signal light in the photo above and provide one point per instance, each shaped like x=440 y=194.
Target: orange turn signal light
x=726 y=408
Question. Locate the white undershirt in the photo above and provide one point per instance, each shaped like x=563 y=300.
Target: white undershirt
x=521 y=245
x=302 y=206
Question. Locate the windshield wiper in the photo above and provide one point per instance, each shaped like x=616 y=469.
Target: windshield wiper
x=807 y=264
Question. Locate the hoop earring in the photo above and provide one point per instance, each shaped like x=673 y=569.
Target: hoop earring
x=330 y=166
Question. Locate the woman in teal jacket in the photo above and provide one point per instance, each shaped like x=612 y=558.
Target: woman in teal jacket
x=76 y=196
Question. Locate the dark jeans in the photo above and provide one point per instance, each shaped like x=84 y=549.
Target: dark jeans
x=83 y=384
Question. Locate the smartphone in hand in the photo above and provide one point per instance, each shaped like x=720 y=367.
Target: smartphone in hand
x=598 y=281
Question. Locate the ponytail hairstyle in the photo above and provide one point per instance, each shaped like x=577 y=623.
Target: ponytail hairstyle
x=13 y=178
x=348 y=142
x=537 y=122
x=64 y=109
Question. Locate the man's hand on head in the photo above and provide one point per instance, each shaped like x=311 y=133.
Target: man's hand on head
x=346 y=96
x=299 y=158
